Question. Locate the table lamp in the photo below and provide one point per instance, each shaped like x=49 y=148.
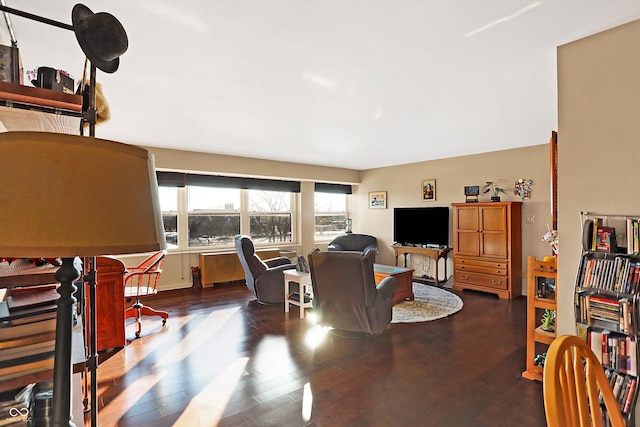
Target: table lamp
x=66 y=196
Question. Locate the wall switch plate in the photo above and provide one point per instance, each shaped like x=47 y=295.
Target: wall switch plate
x=531 y=219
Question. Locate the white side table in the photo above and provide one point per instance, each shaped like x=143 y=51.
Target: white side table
x=304 y=285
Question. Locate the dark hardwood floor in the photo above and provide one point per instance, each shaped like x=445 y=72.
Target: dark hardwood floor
x=223 y=359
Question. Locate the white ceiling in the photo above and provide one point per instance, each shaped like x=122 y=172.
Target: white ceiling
x=348 y=83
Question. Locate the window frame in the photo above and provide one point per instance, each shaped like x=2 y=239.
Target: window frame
x=244 y=213
x=316 y=214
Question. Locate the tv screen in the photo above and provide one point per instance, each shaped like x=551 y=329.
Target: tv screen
x=421 y=226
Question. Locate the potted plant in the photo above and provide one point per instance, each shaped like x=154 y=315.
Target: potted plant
x=548 y=319
x=492 y=187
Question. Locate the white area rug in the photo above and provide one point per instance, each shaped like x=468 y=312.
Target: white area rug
x=430 y=303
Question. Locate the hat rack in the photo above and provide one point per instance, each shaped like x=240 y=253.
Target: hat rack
x=62 y=389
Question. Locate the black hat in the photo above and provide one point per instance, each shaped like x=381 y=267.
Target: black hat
x=101 y=36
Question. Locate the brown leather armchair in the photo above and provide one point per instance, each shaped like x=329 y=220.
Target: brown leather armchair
x=264 y=278
x=345 y=295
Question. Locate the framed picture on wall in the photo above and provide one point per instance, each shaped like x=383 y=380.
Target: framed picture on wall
x=378 y=200
x=428 y=190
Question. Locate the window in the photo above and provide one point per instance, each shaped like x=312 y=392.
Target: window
x=269 y=216
x=213 y=216
x=330 y=215
x=208 y=211
x=169 y=206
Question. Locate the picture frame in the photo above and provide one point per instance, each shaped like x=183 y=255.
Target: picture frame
x=377 y=200
x=428 y=190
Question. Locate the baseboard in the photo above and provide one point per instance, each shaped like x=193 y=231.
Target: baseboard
x=174 y=286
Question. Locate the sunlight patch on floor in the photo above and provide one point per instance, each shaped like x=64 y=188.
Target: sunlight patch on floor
x=315 y=336
x=307 y=402
x=130 y=396
x=209 y=405
x=214 y=322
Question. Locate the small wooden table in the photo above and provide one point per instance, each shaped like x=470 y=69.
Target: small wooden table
x=304 y=289
x=404 y=276
x=433 y=253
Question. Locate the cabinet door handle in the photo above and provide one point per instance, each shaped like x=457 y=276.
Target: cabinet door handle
x=496 y=282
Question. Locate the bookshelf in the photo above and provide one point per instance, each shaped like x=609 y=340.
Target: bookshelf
x=541 y=296
x=606 y=301
x=25 y=108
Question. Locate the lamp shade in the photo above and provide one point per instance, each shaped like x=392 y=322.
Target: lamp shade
x=66 y=195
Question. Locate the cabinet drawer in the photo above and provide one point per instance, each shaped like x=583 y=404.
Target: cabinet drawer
x=487 y=267
x=487 y=280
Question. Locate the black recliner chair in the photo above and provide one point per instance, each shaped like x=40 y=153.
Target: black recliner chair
x=345 y=295
x=354 y=242
x=264 y=278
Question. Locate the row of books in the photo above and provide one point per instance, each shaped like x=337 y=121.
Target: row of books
x=27 y=330
x=619 y=274
x=615 y=351
x=603 y=238
x=624 y=389
x=617 y=314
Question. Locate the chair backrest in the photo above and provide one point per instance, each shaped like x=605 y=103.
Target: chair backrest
x=143 y=279
x=573 y=382
x=344 y=288
x=251 y=263
x=353 y=242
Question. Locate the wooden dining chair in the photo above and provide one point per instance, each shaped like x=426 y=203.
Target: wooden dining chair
x=573 y=382
x=139 y=282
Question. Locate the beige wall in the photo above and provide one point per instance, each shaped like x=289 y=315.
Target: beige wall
x=598 y=141
x=403 y=187
x=402 y=184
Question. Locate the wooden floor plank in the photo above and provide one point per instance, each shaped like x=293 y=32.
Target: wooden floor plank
x=225 y=360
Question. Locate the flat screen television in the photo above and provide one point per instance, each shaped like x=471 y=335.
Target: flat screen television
x=421 y=226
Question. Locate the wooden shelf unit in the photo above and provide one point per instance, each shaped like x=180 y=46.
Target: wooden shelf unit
x=537 y=269
x=24 y=108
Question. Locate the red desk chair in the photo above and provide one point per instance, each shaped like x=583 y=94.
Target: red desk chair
x=141 y=281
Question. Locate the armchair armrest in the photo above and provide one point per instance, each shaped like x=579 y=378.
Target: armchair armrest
x=371 y=247
x=387 y=288
x=274 y=262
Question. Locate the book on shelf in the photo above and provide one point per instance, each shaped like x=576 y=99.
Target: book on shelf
x=583 y=330
x=606 y=239
x=28 y=329
x=594 y=237
x=25 y=365
x=32 y=296
x=633 y=238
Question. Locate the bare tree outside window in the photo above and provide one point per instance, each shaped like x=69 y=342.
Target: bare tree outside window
x=330 y=215
x=270 y=216
x=214 y=216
